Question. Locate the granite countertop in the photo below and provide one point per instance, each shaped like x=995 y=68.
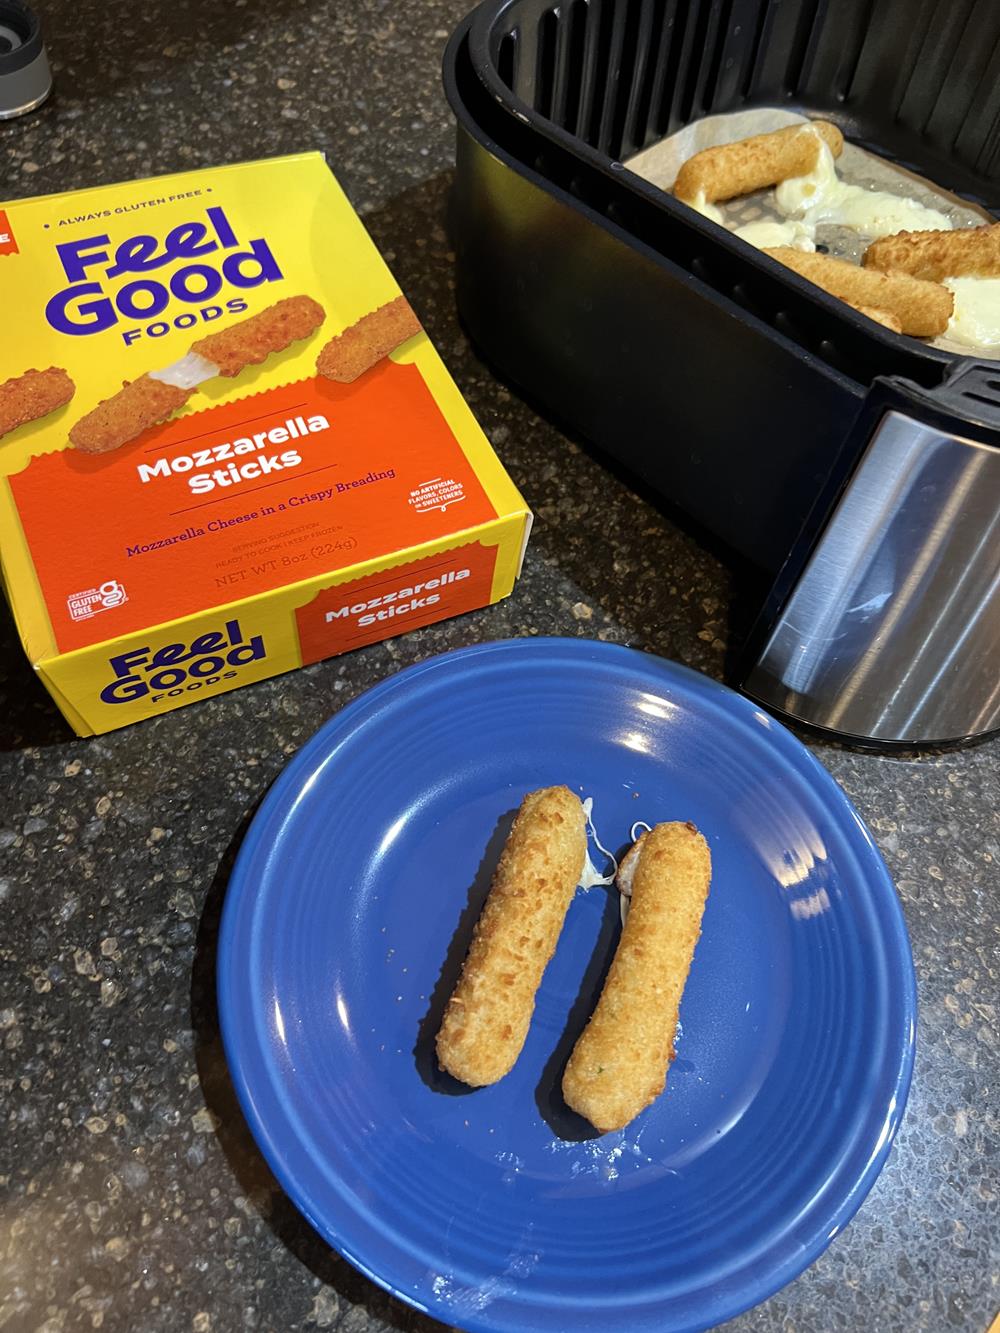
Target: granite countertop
x=131 y=1193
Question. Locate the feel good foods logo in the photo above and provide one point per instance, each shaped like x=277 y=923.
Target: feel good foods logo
x=138 y=284
x=176 y=669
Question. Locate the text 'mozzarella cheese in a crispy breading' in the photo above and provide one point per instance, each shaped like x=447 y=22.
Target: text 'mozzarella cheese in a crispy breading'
x=221 y=422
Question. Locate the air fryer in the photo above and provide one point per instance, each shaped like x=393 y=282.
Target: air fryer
x=858 y=469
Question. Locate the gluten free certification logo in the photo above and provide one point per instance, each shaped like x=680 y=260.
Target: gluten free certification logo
x=83 y=605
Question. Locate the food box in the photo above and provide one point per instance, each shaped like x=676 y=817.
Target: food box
x=227 y=447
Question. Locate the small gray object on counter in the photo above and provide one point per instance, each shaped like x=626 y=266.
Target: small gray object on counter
x=25 y=77
x=131 y=1194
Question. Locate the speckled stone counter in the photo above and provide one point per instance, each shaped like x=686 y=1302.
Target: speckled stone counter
x=131 y=1194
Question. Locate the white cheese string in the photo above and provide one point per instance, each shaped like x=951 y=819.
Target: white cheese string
x=627 y=869
x=590 y=878
x=639 y=823
x=187 y=373
x=621 y=874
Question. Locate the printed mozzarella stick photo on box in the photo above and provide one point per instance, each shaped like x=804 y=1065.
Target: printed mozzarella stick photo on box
x=227 y=446
x=157 y=395
x=348 y=355
x=32 y=396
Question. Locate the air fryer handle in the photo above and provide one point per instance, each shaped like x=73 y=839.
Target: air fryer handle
x=891 y=632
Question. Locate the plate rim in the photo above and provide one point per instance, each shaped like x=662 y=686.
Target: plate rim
x=240 y=896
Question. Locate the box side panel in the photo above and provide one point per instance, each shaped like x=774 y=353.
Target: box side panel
x=142 y=675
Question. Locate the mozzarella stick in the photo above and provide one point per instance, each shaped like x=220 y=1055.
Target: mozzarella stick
x=347 y=357
x=733 y=169
x=123 y=417
x=922 y=308
x=884 y=317
x=33 y=395
x=253 y=340
x=619 y=1064
x=486 y=1020
x=936 y=255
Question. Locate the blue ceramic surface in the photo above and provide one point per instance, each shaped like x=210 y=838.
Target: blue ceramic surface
x=347 y=919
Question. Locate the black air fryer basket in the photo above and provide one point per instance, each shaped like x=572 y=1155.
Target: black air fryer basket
x=737 y=390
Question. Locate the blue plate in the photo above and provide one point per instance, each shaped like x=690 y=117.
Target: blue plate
x=346 y=922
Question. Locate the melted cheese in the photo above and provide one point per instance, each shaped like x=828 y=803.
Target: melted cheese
x=590 y=876
x=701 y=205
x=819 y=196
x=975 y=321
x=766 y=235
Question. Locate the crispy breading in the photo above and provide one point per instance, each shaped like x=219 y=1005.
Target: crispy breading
x=33 y=395
x=883 y=317
x=251 y=341
x=936 y=255
x=347 y=357
x=922 y=308
x=732 y=169
x=487 y=1017
x=137 y=406
x=619 y=1064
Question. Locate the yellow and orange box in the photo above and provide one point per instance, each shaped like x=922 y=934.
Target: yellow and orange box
x=173 y=526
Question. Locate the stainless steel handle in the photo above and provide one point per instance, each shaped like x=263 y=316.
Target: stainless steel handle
x=892 y=632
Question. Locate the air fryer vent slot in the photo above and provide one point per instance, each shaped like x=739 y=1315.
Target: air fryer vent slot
x=718 y=53
x=652 y=72
x=675 y=31
x=803 y=45
x=627 y=89
x=750 y=74
x=849 y=60
x=507 y=59
x=606 y=67
x=545 y=79
x=572 y=37
x=700 y=40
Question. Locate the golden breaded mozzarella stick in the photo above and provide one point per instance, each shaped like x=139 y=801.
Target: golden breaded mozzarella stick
x=486 y=1020
x=733 y=169
x=884 y=317
x=33 y=395
x=253 y=340
x=922 y=308
x=619 y=1065
x=936 y=255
